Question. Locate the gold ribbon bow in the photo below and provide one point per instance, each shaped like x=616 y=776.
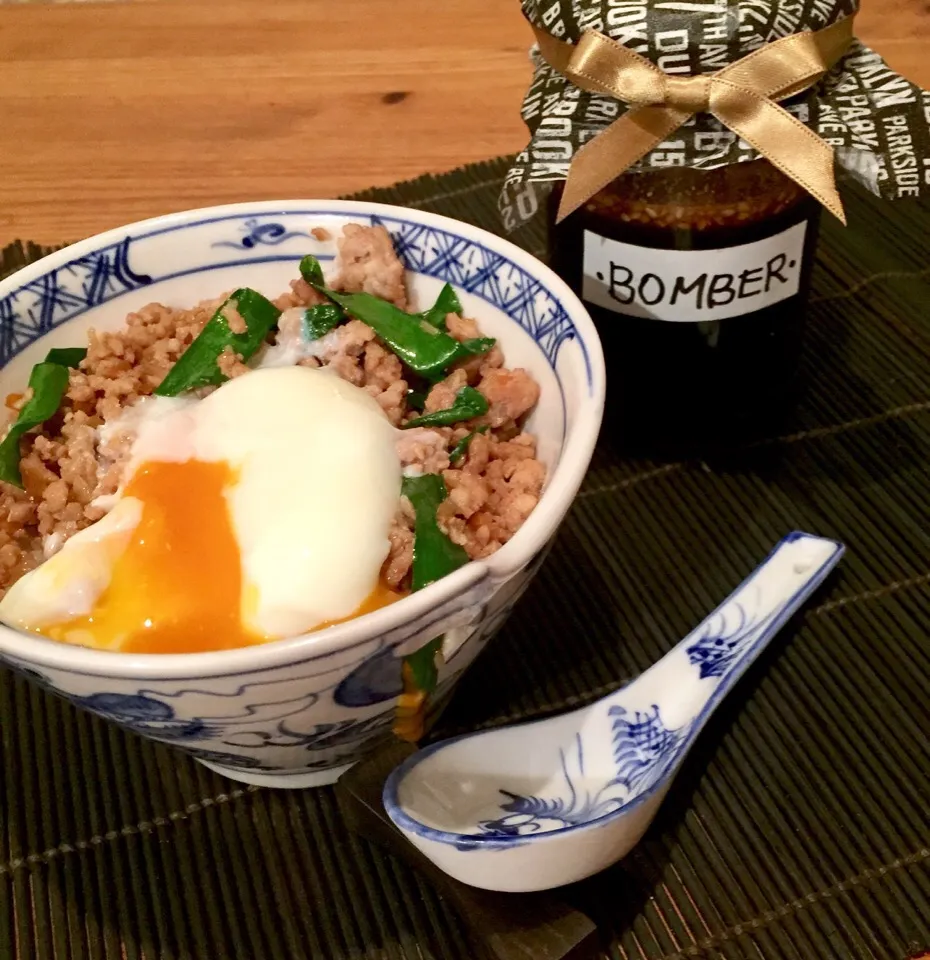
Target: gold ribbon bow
x=742 y=96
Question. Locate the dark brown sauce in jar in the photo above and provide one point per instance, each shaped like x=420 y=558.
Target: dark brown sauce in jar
x=698 y=284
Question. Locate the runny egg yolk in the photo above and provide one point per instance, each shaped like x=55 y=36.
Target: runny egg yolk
x=177 y=587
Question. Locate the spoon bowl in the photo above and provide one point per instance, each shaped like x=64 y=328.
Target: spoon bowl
x=543 y=804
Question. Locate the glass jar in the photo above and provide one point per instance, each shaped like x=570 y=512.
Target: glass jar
x=698 y=284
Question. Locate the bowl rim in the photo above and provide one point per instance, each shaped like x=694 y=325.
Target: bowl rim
x=565 y=480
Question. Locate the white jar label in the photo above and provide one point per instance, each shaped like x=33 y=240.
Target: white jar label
x=692 y=285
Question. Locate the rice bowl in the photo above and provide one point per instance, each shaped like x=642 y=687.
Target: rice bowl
x=310 y=464
x=296 y=711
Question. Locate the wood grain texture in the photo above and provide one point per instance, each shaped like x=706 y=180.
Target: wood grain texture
x=116 y=111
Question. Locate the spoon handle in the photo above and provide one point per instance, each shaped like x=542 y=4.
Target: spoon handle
x=716 y=653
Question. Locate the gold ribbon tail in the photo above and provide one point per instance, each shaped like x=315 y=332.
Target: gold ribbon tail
x=783 y=140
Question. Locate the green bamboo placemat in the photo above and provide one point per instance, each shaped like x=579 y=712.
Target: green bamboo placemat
x=798 y=828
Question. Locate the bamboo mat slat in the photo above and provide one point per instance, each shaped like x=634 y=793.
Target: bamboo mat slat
x=798 y=828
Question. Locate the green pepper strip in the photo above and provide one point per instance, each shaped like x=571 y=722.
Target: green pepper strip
x=311 y=271
x=426 y=350
x=469 y=403
x=423 y=665
x=416 y=399
x=419 y=344
x=48 y=382
x=434 y=554
x=66 y=356
x=197 y=365
x=319 y=320
x=447 y=302
x=461 y=448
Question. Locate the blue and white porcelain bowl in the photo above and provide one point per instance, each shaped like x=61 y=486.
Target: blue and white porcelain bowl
x=298 y=712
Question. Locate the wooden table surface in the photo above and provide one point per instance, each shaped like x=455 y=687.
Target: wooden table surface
x=114 y=111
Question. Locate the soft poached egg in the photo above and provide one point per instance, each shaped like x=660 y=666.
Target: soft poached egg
x=261 y=511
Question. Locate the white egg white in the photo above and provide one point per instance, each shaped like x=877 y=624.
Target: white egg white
x=317 y=482
x=68 y=584
x=318 y=485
